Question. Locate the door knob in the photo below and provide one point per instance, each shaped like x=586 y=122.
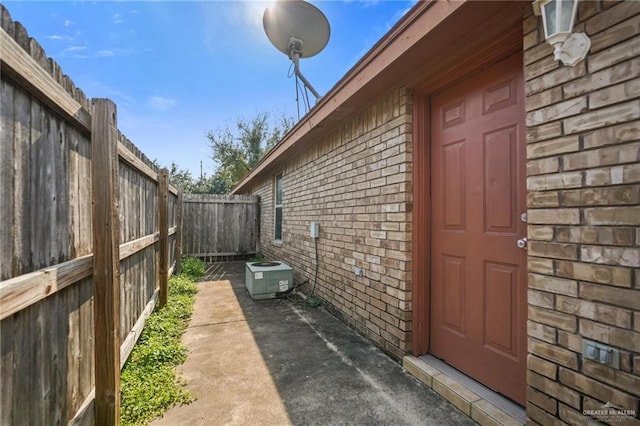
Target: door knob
x=522 y=243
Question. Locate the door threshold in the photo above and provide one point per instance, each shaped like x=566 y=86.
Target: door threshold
x=477 y=401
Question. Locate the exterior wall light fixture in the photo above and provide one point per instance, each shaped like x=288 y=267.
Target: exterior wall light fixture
x=558 y=17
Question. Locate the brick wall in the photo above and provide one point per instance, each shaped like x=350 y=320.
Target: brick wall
x=357 y=184
x=584 y=192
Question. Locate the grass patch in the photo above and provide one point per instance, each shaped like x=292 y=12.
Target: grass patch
x=192 y=267
x=149 y=383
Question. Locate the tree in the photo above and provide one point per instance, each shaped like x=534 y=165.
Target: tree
x=181 y=178
x=236 y=152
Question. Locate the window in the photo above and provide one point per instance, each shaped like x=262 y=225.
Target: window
x=278 y=208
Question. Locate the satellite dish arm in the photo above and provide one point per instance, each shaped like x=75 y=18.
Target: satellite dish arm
x=295 y=57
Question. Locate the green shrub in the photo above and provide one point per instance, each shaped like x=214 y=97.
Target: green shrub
x=192 y=267
x=149 y=383
x=256 y=258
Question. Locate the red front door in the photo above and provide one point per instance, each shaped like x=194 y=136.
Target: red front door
x=478 y=192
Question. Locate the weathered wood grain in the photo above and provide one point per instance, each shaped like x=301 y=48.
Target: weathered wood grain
x=25 y=290
x=135 y=162
x=86 y=371
x=163 y=260
x=178 y=247
x=217 y=225
x=134 y=334
x=106 y=261
x=21 y=261
x=18 y=63
x=7 y=384
x=7 y=156
x=48 y=322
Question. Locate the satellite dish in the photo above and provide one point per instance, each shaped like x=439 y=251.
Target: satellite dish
x=299 y=30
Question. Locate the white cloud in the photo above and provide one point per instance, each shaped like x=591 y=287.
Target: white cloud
x=105 y=53
x=160 y=103
x=117 y=19
x=55 y=37
x=73 y=50
x=68 y=23
x=81 y=52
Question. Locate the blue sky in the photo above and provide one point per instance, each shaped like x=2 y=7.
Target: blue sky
x=177 y=70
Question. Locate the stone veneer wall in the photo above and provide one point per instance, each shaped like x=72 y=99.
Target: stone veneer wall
x=356 y=183
x=583 y=196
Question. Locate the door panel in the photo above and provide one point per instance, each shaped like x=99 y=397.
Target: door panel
x=478 y=191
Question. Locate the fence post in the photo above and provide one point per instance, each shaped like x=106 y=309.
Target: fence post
x=178 y=251
x=163 y=241
x=106 y=261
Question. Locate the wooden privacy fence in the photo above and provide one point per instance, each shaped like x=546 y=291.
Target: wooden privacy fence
x=90 y=231
x=220 y=226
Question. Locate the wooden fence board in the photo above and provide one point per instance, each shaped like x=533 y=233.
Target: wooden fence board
x=7 y=351
x=217 y=225
x=6 y=177
x=86 y=370
x=74 y=352
x=47 y=321
x=22 y=365
x=22 y=189
x=17 y=62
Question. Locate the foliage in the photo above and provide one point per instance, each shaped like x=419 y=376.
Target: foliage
x=149 y=384
x=237 y=151
x=192 y=267
x=313 y=301
x=203 y=185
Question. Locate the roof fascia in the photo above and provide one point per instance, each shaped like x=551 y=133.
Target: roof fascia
x=414 y=26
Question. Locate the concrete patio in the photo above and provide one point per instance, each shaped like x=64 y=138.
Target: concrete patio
x=279 y=362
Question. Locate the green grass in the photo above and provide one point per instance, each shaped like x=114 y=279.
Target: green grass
x=149 y=383
x=192 y=267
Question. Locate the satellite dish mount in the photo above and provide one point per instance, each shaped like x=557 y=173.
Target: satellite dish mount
x=299 y=30
x=295 y=53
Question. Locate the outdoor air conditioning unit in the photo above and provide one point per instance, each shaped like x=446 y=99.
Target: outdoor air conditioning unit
x=265 y=279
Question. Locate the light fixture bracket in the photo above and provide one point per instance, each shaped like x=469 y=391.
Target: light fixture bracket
x=573 y=50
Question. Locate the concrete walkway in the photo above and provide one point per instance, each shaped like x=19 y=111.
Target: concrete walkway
x=278 y=362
